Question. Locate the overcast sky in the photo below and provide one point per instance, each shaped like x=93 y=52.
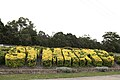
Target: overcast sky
x=79 y=17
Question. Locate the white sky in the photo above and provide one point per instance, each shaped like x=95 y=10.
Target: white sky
x=79 y=17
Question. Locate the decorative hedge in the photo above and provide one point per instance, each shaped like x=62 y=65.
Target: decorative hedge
x=97 y=61
x=67 y=58
x=58 y=59
x=54 y=56
x=106 y=58
x=75 y=60
x=108 y=61
x=2 y=57
x=3 y=51
x=15 y=59
x=19 y=55
x=88 y=61
x=70 y=57
x=81 y=56
x=47 y=57
x=31 y=56
x=117 y=59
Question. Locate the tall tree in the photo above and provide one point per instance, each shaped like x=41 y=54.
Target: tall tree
x=21 y=32
x=71 y=40
x=58 y=40
x=43 y=39
x=26 y=31
x=1 y=32
x=111 y=42
x=87 y=42
x=11 y=33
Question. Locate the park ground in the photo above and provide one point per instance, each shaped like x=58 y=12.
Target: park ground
x=108 y=77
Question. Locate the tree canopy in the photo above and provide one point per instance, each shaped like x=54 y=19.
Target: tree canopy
x=23 y=32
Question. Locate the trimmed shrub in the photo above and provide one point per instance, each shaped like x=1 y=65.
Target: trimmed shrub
x=47 y=57
x=60 y=61
x=3 y=52
x=75 y=62
x=108 y=61
x=31 y=56
x=54 y=60
x=2 y=57
x=117 y=59
x=47 y=63
x=54 y=56
x=67 y=58
x=67 y=61
x=96 y=60
x=15 y=59
x=82 y=62
x=88 y=61
x=58 y=57
x=74 y=59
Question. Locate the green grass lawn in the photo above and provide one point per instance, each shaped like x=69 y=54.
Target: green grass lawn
x=48 y=76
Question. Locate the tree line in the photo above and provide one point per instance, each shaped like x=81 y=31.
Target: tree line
x=23 y=32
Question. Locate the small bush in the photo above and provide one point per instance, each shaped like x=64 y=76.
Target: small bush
x=47 y=63
x=102 y=69
x=31 y=56
x=108 y=61
x=117 y=59
x=65 y=70
x=88 y=61
x=60 y=61
x=47 y=57
x=75 y=62
x=15 y=59
x=96 y=60
x=67 y=61
x=82 y=62
x=2 y=57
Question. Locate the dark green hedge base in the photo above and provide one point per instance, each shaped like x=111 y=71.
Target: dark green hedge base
x=117 y=59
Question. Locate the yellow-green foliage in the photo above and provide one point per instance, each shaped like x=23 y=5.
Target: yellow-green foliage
x=57 y=55
x=3 y=51
x=108 y=61
x=81 y=56
x=75 y=60
x=54 y=56
x=15 y=59
x=106 y=58
x=47 y=57
x=31 y=56
x=117 y=59
x=96 y=60
x=88 y=61
x=67 y=58
x=19 y=55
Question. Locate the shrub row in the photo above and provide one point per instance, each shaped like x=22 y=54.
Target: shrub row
x=18 y=56
x=76 y=57
x=25 y=55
